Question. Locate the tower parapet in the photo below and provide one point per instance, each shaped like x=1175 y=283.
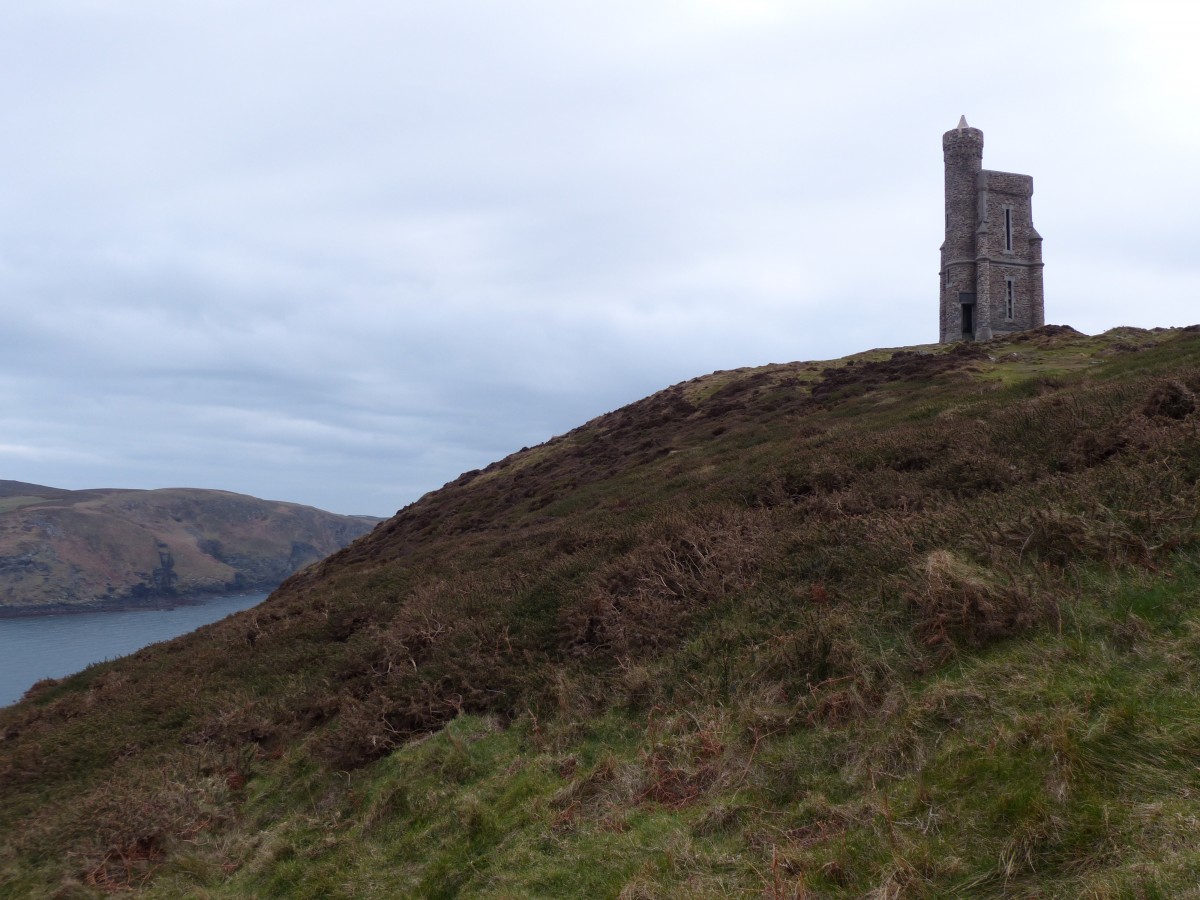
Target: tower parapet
x=990 y=281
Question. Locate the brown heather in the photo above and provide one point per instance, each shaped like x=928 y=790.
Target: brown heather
x=914 y=623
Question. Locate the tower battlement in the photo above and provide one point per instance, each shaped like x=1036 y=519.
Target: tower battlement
x=990 y=281
x=964 y=139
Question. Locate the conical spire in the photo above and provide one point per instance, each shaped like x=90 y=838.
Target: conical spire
x=962 y=123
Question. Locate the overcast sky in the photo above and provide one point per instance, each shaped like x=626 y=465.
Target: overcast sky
x=340 y=252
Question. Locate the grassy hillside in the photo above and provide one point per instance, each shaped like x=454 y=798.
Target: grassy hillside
x=922 y=623
x=68 y=549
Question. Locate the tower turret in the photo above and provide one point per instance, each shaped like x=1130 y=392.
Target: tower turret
x=962 y=149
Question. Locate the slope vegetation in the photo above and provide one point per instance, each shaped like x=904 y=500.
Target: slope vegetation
x=72 y=549
x=914 y=623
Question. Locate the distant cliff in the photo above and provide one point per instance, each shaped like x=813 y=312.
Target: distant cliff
x=69 y=549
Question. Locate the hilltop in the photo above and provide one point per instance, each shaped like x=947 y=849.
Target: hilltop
x=63 y=550
x=918 y=622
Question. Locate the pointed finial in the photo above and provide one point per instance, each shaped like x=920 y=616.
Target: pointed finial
x=962 y=123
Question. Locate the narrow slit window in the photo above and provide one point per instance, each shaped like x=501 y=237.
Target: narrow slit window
x=1009 y=299
x=1008 y=229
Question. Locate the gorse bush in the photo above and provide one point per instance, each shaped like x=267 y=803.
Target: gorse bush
x=891 y=626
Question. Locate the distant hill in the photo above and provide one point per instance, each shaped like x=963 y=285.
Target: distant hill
x=64 y=549
x=913 y=623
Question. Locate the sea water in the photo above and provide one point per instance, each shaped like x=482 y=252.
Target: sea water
x=36 y=647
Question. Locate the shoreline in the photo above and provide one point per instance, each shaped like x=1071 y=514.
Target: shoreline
x=128 y=604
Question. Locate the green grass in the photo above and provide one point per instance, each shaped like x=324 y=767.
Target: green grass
x=10 y=503
x=926 y=625
x=1037 y=766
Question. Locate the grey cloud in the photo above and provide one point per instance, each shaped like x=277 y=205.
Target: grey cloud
x=340 y=253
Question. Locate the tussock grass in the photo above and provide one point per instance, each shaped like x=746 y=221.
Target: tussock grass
x=913 y=624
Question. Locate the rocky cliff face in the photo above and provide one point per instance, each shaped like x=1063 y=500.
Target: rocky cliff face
x=68 y=549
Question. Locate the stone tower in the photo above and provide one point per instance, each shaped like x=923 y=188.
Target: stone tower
x=991 y=278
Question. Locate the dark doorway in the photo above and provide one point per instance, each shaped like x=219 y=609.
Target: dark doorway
x=967 y=303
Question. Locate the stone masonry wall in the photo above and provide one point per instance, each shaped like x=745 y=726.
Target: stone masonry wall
x=975 y=258
x=963 y=153
x=1000 y=191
